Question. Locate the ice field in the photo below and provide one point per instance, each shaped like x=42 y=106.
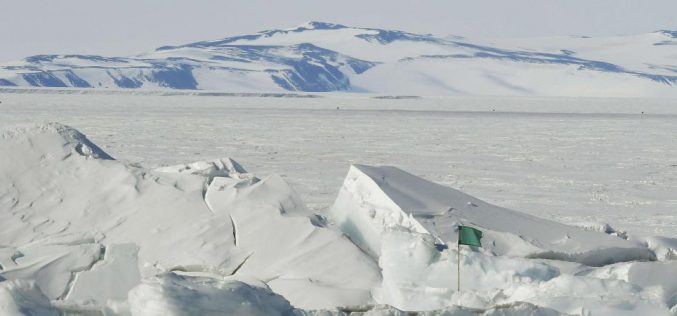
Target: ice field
x=119 y=203
x=572 y=160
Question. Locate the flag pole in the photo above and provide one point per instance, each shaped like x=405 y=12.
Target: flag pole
x=458 y=265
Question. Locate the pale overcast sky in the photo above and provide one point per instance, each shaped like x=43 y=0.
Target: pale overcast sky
x=125 y=27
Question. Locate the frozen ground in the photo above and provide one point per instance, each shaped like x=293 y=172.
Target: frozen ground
x=570 y=160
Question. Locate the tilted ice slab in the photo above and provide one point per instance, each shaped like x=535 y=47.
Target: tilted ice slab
x=410 y=225
x=52 y=265
x=374 y=200
x=118 y=270
x=70 y=201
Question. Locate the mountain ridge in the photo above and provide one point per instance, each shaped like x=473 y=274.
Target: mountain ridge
x=323 y=57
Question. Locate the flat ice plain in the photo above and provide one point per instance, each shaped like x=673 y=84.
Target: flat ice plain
x=565 y=159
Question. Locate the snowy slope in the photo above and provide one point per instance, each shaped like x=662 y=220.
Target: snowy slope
x=85 y=233
x=318 y=56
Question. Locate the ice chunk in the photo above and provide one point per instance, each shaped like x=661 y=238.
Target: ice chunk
x=665 y=248
x=118 y=271
x=644 y=274
x=371 y=194
x=53 y=267
x=23 y=298
x=171 y=294
x=588 y=296
x=312 y=266
x=602 y=228
x=225 y=167
x=70 y=139
x=417 y=275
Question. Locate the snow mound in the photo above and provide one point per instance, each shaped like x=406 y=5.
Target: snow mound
x=226 y=167
x=584 y=295
x=170 y=294
x=602 y=228
x=521 y=309
x=373 y=200
x=72 y=140
x=644 y=274
x=23 y=298
x=418 y=275
x=516 y=309
x=665 y=248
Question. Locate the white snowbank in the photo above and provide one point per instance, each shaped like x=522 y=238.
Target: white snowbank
x=657 y=275
x=23 y=298
x=171 y=294
x=216 y=168
x=665 y=248
x=602 y=228
x=417 y=275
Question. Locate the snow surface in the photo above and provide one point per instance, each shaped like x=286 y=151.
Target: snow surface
x=85 y=233
x=209 y=238
x=572 y=160
x=321 y=57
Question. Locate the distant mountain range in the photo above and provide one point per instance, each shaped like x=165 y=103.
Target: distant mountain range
x=323 y=57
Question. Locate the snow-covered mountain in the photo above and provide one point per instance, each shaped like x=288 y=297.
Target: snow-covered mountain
x=320 y=57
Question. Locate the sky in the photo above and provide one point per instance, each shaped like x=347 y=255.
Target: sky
x=127 y=27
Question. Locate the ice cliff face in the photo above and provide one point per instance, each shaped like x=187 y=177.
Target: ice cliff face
x=320 y=57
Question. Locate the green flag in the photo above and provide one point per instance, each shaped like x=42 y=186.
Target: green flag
x=469 y=236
